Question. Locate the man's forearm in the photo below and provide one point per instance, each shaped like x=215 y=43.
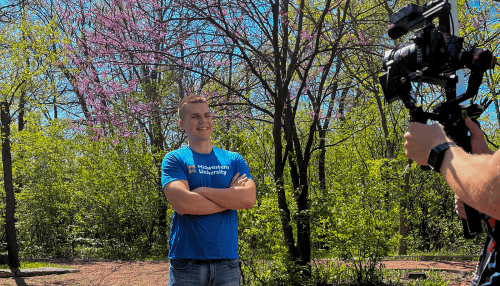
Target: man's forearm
x=475 y=179
x=235 y=198
x=197 y=204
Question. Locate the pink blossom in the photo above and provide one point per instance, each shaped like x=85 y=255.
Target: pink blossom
x=475 y=23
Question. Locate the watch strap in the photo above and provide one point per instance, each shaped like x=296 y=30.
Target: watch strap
x=437 y=155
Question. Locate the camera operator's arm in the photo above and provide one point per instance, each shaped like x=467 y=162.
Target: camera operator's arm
x=474 y=178
x=479 y=146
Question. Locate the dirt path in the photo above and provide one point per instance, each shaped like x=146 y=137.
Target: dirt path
x=128 y=273
x=465 y=266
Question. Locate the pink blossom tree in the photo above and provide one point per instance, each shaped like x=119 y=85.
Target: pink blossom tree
x=122 y=76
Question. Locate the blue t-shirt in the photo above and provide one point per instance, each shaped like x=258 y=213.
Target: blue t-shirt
x=204 y=237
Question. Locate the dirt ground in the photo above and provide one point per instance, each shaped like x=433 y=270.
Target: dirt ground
x=128 y=273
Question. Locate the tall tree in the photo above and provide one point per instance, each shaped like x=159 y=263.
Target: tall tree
x=479 y=26
x=286 y=53
x=365 y=66
x=26 y=44
x=10 y=10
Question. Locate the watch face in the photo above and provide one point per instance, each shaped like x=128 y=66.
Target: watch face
x=432 y=158
x=437 y=154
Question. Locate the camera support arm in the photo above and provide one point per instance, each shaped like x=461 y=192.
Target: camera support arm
x=451 y=115
x=433 y=58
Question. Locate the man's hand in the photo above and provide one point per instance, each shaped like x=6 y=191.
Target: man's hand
x=241 y=193
x=477 y=141
x=185 y=202
x=421 y=138
x=235 y=182
x=238 y=181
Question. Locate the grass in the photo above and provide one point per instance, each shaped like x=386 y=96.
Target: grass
x=26 y=265
x=434 y=278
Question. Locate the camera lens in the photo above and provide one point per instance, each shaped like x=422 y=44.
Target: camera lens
x=408 y=58
x=477 y=59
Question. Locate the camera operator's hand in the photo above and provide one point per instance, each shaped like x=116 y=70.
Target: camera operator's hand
x=421 y=138
x=477 y=141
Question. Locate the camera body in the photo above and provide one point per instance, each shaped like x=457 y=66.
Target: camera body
x=433 y=57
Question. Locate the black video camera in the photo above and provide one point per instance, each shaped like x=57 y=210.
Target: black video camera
x=433 y=58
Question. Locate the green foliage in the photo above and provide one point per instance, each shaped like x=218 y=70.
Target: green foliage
x=434 y=278
x=27 y=264
x=433 y=223
x=360 y=227
x=27 y=44
x=84 y=198
x=79 y=197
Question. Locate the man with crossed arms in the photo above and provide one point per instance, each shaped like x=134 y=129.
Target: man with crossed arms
x=205 y=185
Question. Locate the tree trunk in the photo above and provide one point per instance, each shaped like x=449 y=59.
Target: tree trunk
x=322 y=136
x=55 y=108
x=157 y=149
x=279 y=94
x=388 y=143
x=299 y=181
x=299 y=164
x=403 y=221
x=279 y=166
x=280 y=188
x=322 y=148
x=322 y=160
x=10 y=199
x=162 y=204
x=22 y=109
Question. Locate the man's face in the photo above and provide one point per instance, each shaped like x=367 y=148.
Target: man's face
x=197 y=122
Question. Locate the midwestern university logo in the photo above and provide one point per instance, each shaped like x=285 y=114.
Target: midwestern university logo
x=192 y=169
x=208 y=170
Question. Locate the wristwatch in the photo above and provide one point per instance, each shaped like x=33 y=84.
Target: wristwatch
x=437 y=155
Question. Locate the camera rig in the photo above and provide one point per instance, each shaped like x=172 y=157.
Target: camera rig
x=433 y=58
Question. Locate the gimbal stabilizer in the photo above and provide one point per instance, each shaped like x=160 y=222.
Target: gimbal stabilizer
x=433 y=58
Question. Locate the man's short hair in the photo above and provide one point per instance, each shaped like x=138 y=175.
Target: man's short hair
x=193 y=98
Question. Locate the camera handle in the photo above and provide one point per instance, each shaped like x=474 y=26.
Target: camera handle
x=458 y=132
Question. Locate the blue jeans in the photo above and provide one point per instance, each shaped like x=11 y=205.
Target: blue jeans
x=190 y=272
